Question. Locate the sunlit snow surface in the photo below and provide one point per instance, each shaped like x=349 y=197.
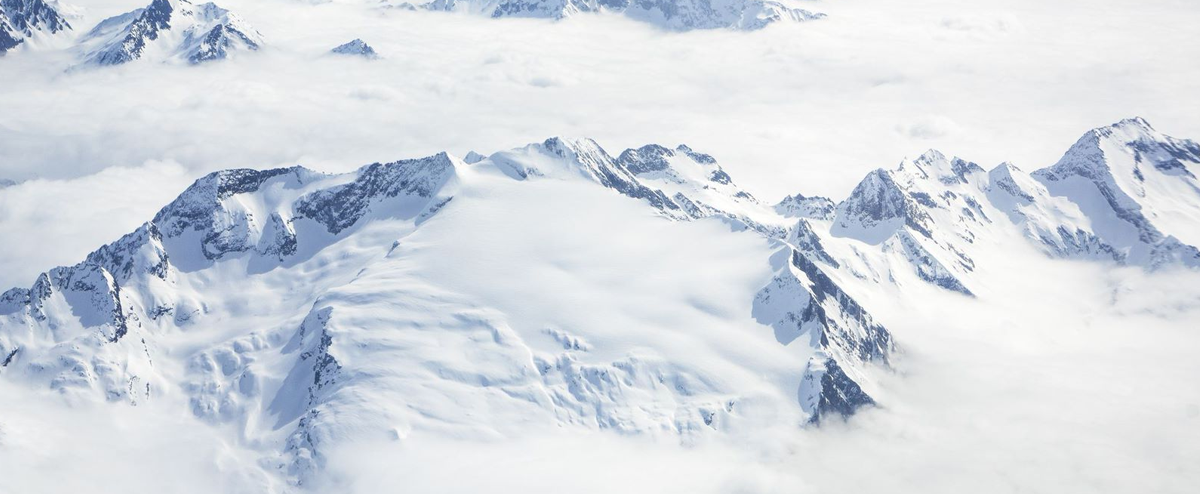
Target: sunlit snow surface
x=555 y=296
x=555 y=318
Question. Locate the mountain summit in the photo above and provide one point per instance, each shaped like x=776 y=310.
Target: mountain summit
x=170 y=30
x=555 y=286
x=21 y=19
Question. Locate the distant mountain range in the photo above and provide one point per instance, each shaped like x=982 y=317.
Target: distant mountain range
x=679 y=15
x=179 y=30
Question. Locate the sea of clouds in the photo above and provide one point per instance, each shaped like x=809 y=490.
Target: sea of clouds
x=1085 y=384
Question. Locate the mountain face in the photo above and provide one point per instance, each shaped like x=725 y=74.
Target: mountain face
x=680 y=183
x=679 y=15
x=170 y=30
x=357 y=47
x=1123 y=193
x=1140 y=189
x=799 y=206
x=21 y=19
x=293 y=304
x=554 y=286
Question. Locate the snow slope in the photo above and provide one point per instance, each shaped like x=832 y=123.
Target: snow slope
x=549 y=287
x=23 y=19
x=169 y=30
x=524 y=291
x=935 y=216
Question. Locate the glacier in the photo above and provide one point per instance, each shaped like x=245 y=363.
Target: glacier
x=556 y=286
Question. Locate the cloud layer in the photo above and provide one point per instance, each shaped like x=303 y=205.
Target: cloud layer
x=1080 y=385
x=806 y=107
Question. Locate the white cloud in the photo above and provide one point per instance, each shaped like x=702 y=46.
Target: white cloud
x=928 y=127
x=983 y=25
x=795 y=108
x=1078 y=385
x=48 y=223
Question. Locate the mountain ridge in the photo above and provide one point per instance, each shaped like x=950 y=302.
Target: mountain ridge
x=288 y=293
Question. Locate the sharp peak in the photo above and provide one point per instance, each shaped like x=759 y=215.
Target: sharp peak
x=932 y=154
x=167 y=3
x=559 y=140
x=879 y=175
x=572 y=147
x=473 y=157
x=1137 y=122
x=669 y=151
x=935 y=164
x=441 y=156
x=1006 y=166
x=1133 y=127
x=799 y=196
x=1162 y=153
x=577 y=144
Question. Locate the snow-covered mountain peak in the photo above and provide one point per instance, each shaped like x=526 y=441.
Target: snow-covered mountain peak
x=1138 y=185
x=937 y=166
x=170 y=30
x=291 y=295
x=879 y=205
x=1013 y=181
x=801 y=206
x=23 y=19
x=356 y=47
x=1122 y=193
x=1129 y=148
x=582 y=150
x=310 y=299
x=680 y=183
x=681 y=164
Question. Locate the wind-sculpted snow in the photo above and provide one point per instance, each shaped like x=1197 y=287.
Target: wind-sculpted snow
x=85 y=324
x=21 y=19
x=292 y=304
x=171 y=30
x=679 y=15
x=549 y=287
